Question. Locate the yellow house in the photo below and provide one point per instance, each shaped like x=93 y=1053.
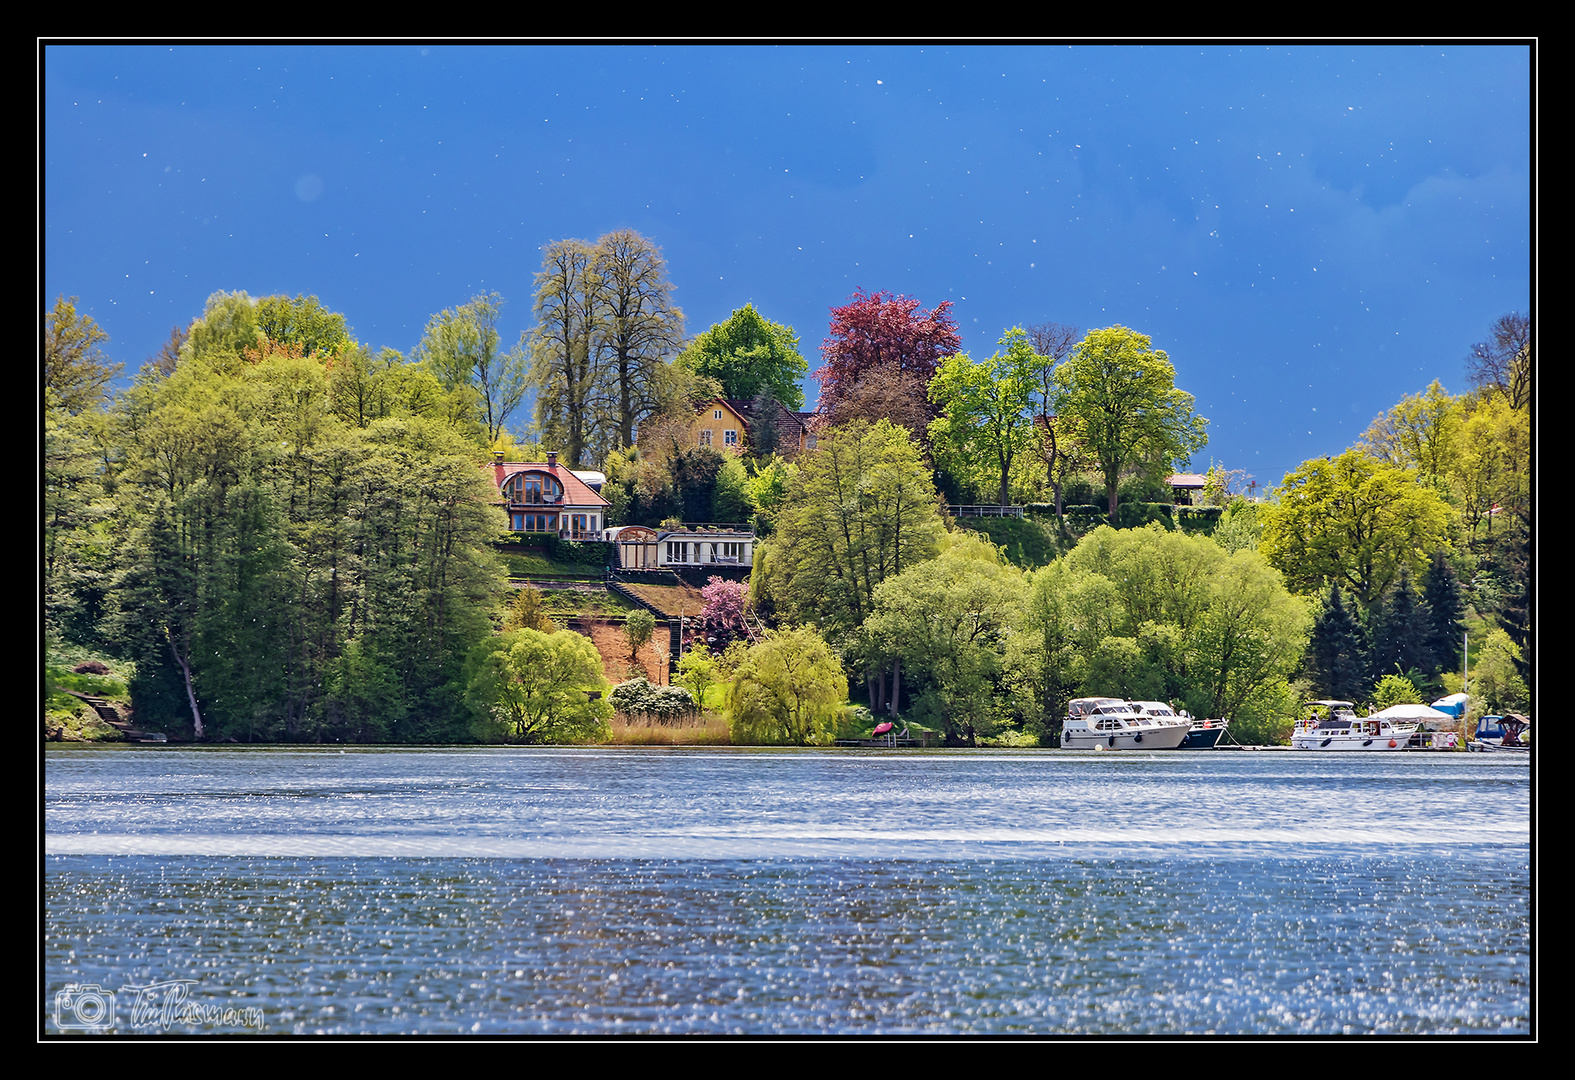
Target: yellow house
x=723 y=424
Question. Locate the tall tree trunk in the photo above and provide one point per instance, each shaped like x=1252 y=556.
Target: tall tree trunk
x=185 y=671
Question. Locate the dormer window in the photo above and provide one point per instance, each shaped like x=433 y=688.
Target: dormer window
x=532 y=488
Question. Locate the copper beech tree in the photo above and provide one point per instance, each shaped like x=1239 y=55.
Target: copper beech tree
x=883 y=335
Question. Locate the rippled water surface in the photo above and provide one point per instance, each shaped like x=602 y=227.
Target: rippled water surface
x=717 y=891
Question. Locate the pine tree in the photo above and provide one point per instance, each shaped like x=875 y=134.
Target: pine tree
x=1400 y=644
x=1335 y=660
x=1445 y=615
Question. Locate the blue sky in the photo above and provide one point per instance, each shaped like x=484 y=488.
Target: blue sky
x=1308 y=231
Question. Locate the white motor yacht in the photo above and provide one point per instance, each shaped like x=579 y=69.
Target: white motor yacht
x=1113 y=724
x=1334 y=725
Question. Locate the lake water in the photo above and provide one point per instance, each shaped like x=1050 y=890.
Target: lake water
x=645 y=891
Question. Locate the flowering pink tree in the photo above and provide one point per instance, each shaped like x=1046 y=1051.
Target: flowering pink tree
x=723 y=614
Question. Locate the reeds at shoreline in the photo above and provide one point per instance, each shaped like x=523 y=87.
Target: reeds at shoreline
x=703 y=729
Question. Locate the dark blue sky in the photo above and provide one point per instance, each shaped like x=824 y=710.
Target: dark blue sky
x=1310 y=232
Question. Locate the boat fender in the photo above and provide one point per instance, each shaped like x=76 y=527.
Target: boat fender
x=1138 y=737
x=1112 y=741
x=1327 y=741
x=1369 y=742
x=1393 y=744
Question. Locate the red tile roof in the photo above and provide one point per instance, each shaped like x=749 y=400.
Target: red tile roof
x=575 y=493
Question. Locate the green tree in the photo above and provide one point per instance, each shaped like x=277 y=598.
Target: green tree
x=1421 y=433
x=1394 y=690
x=1496 y=679
x=949 y=621
x=304 y=324
x=697 y=671
x=639 y=328
x=534 y=687
x=227 y=328
x=1335 y=652
x=1355 y=521
x=1445 y=614
x=638 y=626
x=986 y=407
x=787 y=690
x=1123 y=396
x=462 y=347
x=526 y=612
x=860 y=509
x=749 y=354
x=565 y=362
x=75 y=368
x=1153 y=614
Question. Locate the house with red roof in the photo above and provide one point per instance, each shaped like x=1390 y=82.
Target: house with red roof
x=548 y=499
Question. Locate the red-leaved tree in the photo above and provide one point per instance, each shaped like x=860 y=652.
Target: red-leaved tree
x=881 y=332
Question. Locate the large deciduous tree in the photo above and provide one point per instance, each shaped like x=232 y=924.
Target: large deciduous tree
x=462 y=347
x=1122 y=393
x=949 y=621
x=987 y=407
x=640 y=328
x=787 y=690
x=565 y=362
x=1502 y=363
x=75 y=368
x=882 y=332
x=537 y=687
x=749 y=354
x=605 y=325
x=1354 y=521
x=860 y=509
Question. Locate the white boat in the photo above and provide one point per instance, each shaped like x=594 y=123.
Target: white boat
x=1334 y=725
x=1113 y=724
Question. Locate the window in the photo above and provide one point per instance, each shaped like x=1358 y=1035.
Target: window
x=705 y=437
x=716 y=414
x=532 y=488
x=730 y=438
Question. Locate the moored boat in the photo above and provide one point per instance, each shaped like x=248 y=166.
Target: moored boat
x=1496 y=734
x=1113 y=724
x=1334 y=725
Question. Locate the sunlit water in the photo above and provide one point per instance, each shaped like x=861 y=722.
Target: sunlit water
x=752 y=891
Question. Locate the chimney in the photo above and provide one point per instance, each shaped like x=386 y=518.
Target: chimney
x=497 y=467
x=552 y=459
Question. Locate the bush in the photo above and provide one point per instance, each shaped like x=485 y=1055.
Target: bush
x=639 y=697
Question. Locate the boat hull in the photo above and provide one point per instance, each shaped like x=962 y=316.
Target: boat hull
x=1316 y=741
x=1200 y=738
x=1154 y=738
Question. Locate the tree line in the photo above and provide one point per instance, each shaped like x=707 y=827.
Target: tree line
x=288 y=532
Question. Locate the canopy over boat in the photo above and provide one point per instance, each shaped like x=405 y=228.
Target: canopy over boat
x=1454 y=705
x=1411 y=712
